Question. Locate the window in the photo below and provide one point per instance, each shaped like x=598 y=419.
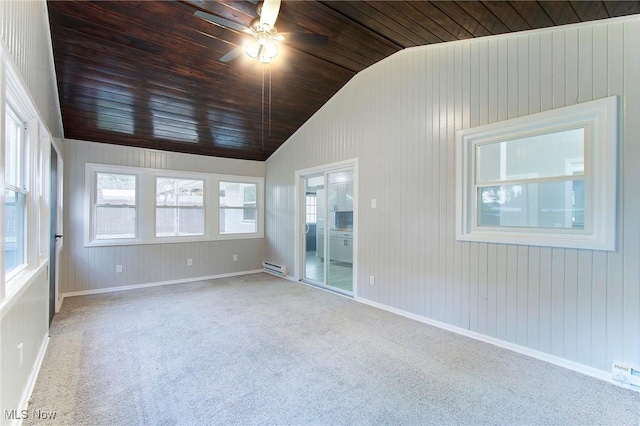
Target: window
x=311 y=202
x=548 y=179
x=526 y=182
x=238 y=208
x=179 y=207
x=115 y=206
x=15 y=194
x=131 y=205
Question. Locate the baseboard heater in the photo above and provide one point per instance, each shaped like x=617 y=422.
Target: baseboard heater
x=274 y=268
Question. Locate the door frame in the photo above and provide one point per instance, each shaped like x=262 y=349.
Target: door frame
x=59 y=242
x=299 y=222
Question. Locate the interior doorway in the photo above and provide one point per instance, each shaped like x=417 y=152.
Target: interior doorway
x=54 y=235
x=328 y=211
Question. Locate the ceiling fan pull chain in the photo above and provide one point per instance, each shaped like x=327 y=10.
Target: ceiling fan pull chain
x=269 y=98
x=262 y=127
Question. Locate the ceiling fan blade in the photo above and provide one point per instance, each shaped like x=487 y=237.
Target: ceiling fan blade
x=220 y=21
x=232 y=54
x=305 y=38
x=269 y=14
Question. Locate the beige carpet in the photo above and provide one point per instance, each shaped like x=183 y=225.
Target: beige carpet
x=259 y=350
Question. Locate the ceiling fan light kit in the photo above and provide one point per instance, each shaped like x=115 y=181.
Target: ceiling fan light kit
x=263 y=45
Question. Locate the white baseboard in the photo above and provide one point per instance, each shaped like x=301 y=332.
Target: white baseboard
x=33 y=376
x=552 y=359
x=156 y=284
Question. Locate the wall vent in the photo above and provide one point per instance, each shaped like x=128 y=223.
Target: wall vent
x=274 y=268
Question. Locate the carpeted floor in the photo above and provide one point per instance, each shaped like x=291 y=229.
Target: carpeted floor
x=259 y=350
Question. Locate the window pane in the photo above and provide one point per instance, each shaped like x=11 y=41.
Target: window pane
x=542 y=205
x=312 y=207
x=13 y=150
x=166 y=192
x=232 y=222
x=166 y=225
x=249 y=196
x=115 y=222
x=553 y=154
x=179 y=192
x=171 y=222
x=236 y=194
x=14 y=243
x=190 y=221
x=116 y=189
x=249 y=214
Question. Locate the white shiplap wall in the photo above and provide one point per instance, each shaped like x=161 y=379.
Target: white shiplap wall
x=25 y=37
x=94 y=268
x=399 y=118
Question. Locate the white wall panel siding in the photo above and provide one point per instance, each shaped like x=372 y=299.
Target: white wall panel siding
x=24 y=30
x=93 y=268
x=24 y=36
x=25 y=323
x=399 y=118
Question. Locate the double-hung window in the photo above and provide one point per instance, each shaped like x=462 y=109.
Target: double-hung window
x=531 y=182
x=15 y=193
x=548 y=179
x=238 y=207
x=115 y=206
x=179 y=207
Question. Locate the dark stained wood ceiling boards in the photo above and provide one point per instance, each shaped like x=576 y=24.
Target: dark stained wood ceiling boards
x=147 y=73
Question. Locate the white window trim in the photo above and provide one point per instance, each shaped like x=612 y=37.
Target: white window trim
x=600 y=121
x=146 y=205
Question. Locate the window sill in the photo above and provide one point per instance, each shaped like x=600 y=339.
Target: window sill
x=172 y=240
x=542 y=239
x=17 y=286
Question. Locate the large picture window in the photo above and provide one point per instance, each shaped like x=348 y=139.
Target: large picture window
x=548 y=179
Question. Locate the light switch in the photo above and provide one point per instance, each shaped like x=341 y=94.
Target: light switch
x=374 y=203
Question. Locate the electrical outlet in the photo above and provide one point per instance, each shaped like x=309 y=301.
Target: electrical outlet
x=189 y=262
x=118 y=269
x=372 y=280
x=235 y=257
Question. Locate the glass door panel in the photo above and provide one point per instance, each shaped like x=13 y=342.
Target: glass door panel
x=340 y=231
x=314 y=230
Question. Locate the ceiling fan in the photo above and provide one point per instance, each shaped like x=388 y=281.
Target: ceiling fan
x=265 y=36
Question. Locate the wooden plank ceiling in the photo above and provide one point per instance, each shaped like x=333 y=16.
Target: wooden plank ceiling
x=147 y=73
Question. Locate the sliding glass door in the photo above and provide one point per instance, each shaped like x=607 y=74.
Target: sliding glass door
x=328 y=213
